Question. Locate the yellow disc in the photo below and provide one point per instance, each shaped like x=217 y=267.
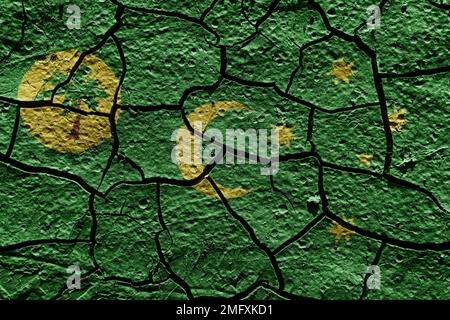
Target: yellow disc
x=58 y=129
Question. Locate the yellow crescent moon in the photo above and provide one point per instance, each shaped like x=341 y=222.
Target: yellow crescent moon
x=204 y=114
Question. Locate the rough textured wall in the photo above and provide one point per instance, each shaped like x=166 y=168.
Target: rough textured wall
x=97 y=204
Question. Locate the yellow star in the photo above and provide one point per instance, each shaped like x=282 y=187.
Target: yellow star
x=285 y=134
x=365 y=158
x=397 y=119
x=342 y=71
x=340 y=231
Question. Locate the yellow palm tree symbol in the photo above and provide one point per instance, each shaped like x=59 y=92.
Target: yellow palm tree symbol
x=92 y=89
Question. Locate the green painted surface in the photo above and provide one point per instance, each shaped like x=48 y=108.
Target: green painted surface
x=123 y=212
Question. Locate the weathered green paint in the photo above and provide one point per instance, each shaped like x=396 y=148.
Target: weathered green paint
x=172 y=56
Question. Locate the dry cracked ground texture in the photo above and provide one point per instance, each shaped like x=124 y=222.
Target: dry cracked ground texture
x=363 y=177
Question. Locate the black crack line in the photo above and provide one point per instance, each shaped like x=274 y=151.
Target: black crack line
x=283 y=194
x=157 y=271
x=354 y=107
x=444 y=246
x=78 y=225
x=300 y=67
x=416 y=73
x=363 y=24
x=257 y=24
x=223 y=60
x=375 y=262
x=141 y=286
x=93 y=232
x=237 y=153
x=169 y=107
x=300 y=234
x=297 y=156
x=185 y=182
x=132 y=219
x=440 y=5
x=12 y=141
x=121 y=215
x=249 y=83
x=268 y=13
x=233 y=151
x=39 y=242
x=295 y=99
x=64 y=288
x=309 y=134
x=338 y=33
x=390 y=179
x=247 y=18
x=176 y=278
x=265 y=285
x=208 y=10
x=51 y=172
x=251 y=233
x=249 y=290
x=405 y=244
x=413 y=186
x=208 y=88
x=43 y=104
x=22 y=35
x=399 y=243
x=106 y=36
x=163 y=180
x=158 y=204
x=131 y=282
x=384 y=115
x=213 y=87
x=262 y=34
x=147 y=289
x=172 y=14
x=313 y=146
x=114 y=108
x=31 y=258
x=302 y=50
x=134 y=165
x=284 y=294
x=378 y=81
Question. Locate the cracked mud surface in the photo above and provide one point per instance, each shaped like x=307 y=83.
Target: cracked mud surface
x=369 y=156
